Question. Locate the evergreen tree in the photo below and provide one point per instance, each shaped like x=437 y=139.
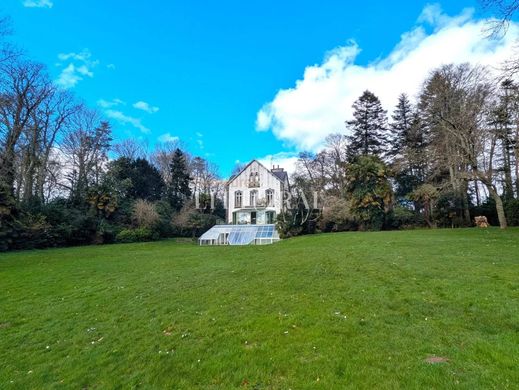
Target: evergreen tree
x=370 y=191
x=178 y=187
x=403 y=118
x=408 y=147
x=368 y=127
x=138 y=178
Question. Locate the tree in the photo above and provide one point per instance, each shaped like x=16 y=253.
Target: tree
x=24 y=87
x=455 y=102
x=132 y=149
x=408 y=152
x=179 y=184
x=138 y=177
x=85 y=153
x=368 y=127
x=502 y=118
x=370 y=191
x=403 y=118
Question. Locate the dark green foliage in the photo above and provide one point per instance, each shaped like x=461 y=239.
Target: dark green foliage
x=178 y=187
x=448 y=210
x=512 y=212
x=137 y=235
x=136 y=179
x=401 y=217
x=371 y=192
x=486 y=209
x=368 y=128
x=403 y=118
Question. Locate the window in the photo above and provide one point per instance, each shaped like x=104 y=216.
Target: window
x=237 y=199
x=254 y=179
x=269 y=195
x=253 y=198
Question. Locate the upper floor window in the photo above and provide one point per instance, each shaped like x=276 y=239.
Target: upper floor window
x=237 y=199
x=254 y=179
x=253 y=198
x=269 y=196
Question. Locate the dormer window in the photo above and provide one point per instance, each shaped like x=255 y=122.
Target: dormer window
x=238 y=199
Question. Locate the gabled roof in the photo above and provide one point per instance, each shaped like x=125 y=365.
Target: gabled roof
x=281 y=178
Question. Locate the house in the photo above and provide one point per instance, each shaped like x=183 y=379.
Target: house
x=255 y=195
x=254 y=198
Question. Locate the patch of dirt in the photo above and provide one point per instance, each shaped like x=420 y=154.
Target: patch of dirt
x=5 y=325
x=168 y=331
x=436 y=360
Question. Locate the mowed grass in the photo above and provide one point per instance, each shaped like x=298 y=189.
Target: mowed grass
x=352 y=310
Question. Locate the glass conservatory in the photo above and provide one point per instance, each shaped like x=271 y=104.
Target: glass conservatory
x=240 y=235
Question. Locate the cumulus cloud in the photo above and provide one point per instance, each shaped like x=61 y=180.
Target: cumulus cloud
x=144 y=106
x=38 y=3
x=126 y=120
x=79 y=66
x=321 y=101
x=167 y=137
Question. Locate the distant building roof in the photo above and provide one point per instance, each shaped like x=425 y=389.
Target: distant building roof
x=281 y=175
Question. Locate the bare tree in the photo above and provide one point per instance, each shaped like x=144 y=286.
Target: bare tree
x=505 y=11
x=84 y=151
x=162 y=155
x=24 y=87
x=456 y=101
x=131 y=148
x=48 y=122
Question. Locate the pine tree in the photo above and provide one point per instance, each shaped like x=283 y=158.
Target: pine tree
x=178 y=187
x=403 y=118
x=368 y=127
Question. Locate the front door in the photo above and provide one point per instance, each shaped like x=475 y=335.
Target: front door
x=253 y=218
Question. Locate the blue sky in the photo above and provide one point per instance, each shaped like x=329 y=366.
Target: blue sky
x=202 y=71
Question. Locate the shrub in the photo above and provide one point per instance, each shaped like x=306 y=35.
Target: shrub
x=136 y=235
x=402 y=217
x=512 y=212
x=144 y=214
x=337 y=216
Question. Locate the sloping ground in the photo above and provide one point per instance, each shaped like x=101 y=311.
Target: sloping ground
x=417 y=309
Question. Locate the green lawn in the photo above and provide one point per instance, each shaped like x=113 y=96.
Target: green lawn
x=353 y=310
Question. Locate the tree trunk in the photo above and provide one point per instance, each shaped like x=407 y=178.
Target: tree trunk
x=499 y=206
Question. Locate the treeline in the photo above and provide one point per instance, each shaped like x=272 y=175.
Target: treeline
x=451 y=155
x=64 y=182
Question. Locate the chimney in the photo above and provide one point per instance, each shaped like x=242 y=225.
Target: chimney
x=277 y=168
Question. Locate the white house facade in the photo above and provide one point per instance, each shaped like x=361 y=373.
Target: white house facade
x=254 y=198
x=255 y=195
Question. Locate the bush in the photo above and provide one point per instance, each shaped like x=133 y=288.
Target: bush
x=337 y=216
x=402 y=217
x=512 y=212
x=136 y=235
x=144 y=214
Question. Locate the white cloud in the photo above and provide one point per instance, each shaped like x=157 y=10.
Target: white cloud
x=285 y=160
x=167 y=137
x=79 y=66
x=144 y=106
x=111 y=66
x=110 y=103
x=38 y=3
x=126 y=119
x=320 y=103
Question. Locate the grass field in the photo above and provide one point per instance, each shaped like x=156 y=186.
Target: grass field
x=352 y=310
